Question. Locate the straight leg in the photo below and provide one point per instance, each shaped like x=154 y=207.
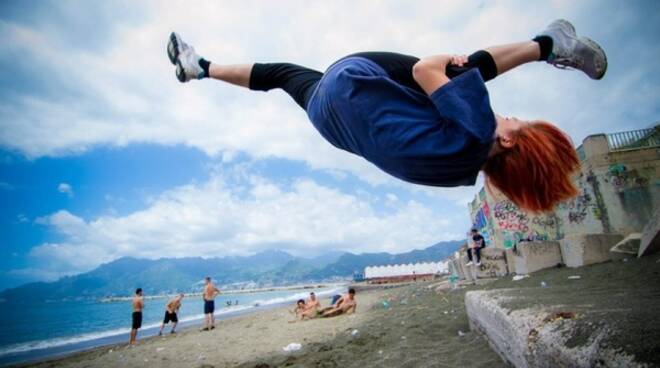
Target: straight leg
x=238 y=74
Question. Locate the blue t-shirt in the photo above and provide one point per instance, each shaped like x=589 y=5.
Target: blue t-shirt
x=441 y=140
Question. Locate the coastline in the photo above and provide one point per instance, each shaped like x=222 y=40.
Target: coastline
x=227 y=291
x=57 y=347
x=418 y=328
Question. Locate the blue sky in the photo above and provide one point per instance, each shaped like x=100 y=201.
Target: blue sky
x=103 y=154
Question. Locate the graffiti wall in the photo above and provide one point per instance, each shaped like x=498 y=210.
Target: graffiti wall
x=514 y=225
x=618 y=192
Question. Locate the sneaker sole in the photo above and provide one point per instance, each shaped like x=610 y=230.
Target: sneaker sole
x=173 y=48
x=596 y=47
x=180 y=74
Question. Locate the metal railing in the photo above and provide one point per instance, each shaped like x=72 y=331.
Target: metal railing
x=634 y=139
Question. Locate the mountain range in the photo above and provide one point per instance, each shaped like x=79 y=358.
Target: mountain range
x=168 y=275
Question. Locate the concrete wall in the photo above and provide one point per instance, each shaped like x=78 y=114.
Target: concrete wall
x=618 y=193
x=534 y=256
x=584 y=249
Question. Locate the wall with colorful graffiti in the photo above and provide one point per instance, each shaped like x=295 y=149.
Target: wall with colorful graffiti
x=618 y=193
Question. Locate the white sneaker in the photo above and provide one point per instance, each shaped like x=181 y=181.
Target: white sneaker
x=571 y=51
x=469 y=263
x=478 y=264
x=185 y=58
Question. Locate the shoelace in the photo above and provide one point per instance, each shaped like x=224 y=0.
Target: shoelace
x=568 y=63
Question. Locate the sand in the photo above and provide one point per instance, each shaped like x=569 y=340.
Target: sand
x=419 y=329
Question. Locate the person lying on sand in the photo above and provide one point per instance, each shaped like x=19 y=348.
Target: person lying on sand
x=345 y=305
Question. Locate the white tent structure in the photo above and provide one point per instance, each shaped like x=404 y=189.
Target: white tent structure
x=426 y=268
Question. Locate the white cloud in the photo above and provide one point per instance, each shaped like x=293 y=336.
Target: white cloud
x=127 y=93
x=219 y=219
x=66 y=189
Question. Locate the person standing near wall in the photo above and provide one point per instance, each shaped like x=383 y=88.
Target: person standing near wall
x=475 y=248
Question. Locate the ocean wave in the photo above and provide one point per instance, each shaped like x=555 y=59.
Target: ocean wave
x=68 y=340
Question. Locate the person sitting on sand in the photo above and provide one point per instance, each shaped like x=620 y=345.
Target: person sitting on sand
x=210 y=292
x=138 y=305
x=345 y=305
x=300 y=309
x=171 y=310
x=312 y=307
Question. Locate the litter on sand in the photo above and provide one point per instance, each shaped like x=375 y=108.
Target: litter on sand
x=294 y=346
x=575 y=277
x=519 y=277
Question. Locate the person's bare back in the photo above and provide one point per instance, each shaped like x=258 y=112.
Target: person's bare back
x=210 y=291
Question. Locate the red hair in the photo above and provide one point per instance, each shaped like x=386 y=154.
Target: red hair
x=535 y=173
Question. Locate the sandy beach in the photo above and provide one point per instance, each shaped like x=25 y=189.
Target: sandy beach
x=420 y=328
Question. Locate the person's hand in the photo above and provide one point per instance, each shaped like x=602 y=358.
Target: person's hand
x=458 y=60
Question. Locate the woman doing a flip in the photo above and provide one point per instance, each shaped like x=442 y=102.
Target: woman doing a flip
x=429 y=121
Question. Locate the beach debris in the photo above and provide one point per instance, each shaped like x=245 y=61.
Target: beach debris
x=201 y=357
x=519 y=277
x=543 y=284
x=110 y=351
x=574 y=277
x=403 y=337
x=386 y=305
x=294 y=346
x=380 y=352
x=354 y=332
x=158 y=350
x=446 y=312
x=146 y=360
x=461 y=333
x=403 y=302
x=559 y=316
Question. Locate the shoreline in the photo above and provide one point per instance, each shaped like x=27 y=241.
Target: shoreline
x=114 y=299
x=61 y=347
x=408 y=331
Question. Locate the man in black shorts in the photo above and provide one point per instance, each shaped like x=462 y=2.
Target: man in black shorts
x=171 y=310
x=138 y=305
x=210 y=292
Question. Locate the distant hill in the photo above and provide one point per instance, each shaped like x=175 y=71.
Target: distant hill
x=169 y=275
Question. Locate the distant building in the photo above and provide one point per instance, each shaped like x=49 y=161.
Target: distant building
x=404 y=272
x=619 y=184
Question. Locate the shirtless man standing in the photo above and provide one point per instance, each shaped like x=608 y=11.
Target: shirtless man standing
x=210 y=292
x=346 y=304
x=171 y=310
x=138 y=305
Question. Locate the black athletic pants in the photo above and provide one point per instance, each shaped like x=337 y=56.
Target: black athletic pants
x=476 y=251
x=299 y=82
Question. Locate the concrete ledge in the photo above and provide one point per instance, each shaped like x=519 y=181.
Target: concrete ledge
x=626 y=248
x=584 y=249
x=651 y=235
x=535 y=337
x=533 y=256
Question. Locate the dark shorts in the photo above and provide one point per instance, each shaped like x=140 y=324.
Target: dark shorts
x=170 y=317
x=137 y=320
x=334 y=299
x=209 y=306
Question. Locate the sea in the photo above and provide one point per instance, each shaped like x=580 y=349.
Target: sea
x=33 y=332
